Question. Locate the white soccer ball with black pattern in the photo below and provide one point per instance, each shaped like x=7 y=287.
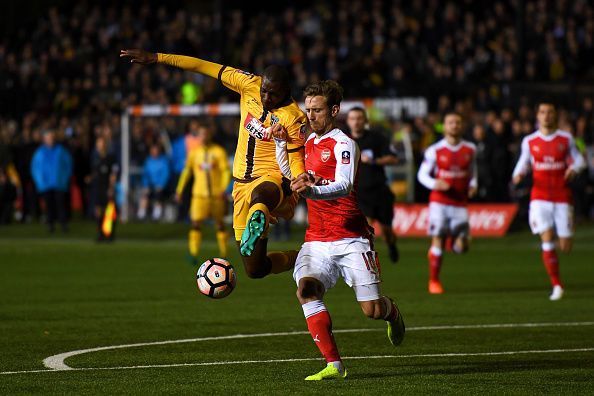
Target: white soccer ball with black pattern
x=216 y=278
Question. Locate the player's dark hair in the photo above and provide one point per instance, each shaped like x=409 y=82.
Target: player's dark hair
x=454 y=113
x=546 y=102
x=329 y=89
x=279 y=75
x=360 y=110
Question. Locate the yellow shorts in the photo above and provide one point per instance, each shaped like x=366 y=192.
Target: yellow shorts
x=203 y=208
x=242 y=195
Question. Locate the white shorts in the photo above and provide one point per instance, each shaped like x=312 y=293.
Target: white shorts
x=546 y=215
x=351 y=258
x=447 y=219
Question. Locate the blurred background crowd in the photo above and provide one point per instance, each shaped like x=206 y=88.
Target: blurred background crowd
x=61 y=78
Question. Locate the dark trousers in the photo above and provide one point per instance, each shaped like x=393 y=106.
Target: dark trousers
x=55 y=204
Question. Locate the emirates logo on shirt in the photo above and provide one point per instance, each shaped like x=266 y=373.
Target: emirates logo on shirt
x=326 y=155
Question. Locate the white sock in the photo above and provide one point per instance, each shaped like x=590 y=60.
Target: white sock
x=547 y=246
x=313 y=307
x=338 y=365
x=435 y=251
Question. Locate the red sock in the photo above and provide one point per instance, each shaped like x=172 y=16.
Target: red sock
x=551 y=263
x=434 y=256
x=319 y=325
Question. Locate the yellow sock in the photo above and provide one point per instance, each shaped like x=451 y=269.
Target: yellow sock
x=263 y=208
x=194 y=239
x=222 y=238
x=282 y=261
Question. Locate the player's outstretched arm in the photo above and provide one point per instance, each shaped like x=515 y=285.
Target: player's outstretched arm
x=188 y=63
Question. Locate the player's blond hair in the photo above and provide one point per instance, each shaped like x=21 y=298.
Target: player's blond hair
x=329 y=89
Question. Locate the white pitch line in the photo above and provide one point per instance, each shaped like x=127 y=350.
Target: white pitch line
x=56 y=362
x=428 y=355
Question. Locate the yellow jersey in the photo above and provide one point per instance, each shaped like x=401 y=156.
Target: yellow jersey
x=254 y=156
x=209 y=165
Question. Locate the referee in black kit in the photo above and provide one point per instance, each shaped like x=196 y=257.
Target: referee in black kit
x=104 y=174
x=373 y=194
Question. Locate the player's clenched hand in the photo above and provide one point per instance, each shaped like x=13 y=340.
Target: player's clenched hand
x=570 y=174
x=472 y=192
x=276 y=131
x=517 y=179
x=301 y=186
x=302 y=183
x=441 y=185
x=139 y=56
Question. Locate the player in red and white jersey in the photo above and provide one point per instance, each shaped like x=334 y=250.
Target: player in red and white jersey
x=337 y=241
x=552 y=156
x=449 y=171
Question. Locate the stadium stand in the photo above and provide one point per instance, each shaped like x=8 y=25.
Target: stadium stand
x=488 y=61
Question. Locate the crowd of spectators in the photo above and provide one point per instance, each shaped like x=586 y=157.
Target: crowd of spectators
x=63 y=73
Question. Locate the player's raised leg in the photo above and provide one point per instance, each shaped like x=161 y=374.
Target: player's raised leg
x=381 y=308
x=310 y=293
x=460 y=231
x=265 y=197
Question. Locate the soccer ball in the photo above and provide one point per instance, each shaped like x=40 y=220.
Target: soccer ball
x=216 y=278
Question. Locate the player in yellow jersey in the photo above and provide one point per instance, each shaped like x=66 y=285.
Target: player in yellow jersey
x=209 y=165
x=260 y=192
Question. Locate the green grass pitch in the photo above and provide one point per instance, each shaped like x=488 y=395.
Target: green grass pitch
x=64 y=293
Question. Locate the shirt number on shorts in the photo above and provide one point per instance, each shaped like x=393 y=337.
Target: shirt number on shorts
x=371 y=261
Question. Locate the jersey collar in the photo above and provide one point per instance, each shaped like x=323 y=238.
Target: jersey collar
x=330 y=134
x=548 y=137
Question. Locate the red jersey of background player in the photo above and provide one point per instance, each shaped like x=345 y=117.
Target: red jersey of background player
x=550 y=156
x=454 y=164
x=333 y=212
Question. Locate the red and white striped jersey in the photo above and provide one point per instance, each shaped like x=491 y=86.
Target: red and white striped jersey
x=549 y=156
x=455 y=165
x=333 y=212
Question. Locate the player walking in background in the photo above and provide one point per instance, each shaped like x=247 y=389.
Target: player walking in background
x=260 y=193
x=208 y=164
x=337 y=241
x=449 y=171
x=555 y=160
x=373 y=195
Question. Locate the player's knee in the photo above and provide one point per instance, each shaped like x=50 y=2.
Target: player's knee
x=266 y=193
x=565 y=245
x=460 y=246
x=308 y=290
